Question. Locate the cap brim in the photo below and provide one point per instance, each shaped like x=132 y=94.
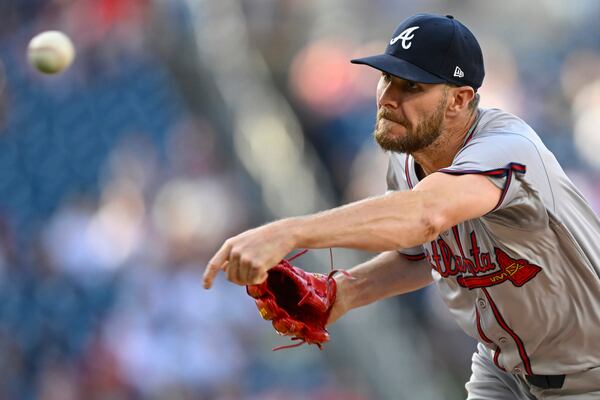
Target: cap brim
x=398 y=67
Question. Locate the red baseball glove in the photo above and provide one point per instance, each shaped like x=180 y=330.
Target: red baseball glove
x=298 y=302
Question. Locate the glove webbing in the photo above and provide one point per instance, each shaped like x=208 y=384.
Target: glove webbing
x=329 y=276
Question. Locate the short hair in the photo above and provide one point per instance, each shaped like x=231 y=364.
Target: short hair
x=474 y=103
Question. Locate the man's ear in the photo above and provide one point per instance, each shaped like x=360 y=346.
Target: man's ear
x=460 y=98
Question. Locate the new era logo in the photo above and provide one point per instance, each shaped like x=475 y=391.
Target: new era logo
x=458 y=72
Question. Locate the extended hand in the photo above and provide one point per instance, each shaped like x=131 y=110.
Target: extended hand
x=248 y=256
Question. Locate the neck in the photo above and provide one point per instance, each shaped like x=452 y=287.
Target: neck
x=440 y=153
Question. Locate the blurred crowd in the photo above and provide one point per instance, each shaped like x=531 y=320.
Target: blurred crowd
x=122 y=176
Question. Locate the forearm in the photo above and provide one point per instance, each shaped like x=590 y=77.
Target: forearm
x=396 y=220
x=388 y=274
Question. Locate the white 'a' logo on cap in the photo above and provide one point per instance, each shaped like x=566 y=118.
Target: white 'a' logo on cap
x=407 y=35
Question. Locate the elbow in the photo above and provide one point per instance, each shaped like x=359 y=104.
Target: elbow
x=431 y=219
x=432 y=225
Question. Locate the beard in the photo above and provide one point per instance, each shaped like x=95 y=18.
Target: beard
x=416 y=138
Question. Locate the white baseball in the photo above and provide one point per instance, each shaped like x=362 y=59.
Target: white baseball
x=51 y=52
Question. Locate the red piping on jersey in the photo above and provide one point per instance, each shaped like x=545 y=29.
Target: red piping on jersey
x=513 y=166
x=496 y=355
x=515 y=337
x=469 y=138
x=415 y=257
x=504 y=189
x=479 y=329
x=406 y=171
x=486 y=339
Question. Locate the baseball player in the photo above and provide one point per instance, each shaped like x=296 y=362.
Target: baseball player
x=477 y=205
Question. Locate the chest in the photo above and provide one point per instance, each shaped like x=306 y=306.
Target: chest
x=474 y=257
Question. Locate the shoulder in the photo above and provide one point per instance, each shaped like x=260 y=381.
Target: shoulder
x=498 y=126
x=503 y=137
x=495 y=119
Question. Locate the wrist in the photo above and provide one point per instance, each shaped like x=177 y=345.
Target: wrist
x=342 y=302
x=293 y=230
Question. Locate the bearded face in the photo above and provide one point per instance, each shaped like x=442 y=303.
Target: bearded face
x=416 y=137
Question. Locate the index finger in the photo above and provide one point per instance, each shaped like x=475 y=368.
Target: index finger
x=217 y=263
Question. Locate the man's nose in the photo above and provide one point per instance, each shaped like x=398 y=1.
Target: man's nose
x=388 y=97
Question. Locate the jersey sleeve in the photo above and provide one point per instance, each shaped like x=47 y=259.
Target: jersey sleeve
x=396 y=181
x=508 y=161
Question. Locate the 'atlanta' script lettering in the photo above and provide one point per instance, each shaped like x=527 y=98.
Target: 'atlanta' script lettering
x=481 y=271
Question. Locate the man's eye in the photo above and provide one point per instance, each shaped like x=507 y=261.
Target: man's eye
x=412 y=85
x=386 y=76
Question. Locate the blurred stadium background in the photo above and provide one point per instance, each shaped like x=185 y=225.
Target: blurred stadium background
x=183 y=122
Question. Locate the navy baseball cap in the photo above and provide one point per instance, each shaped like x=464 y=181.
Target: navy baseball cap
x=431 y=48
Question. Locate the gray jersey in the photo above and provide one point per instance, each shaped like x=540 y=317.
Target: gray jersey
x=523 y=279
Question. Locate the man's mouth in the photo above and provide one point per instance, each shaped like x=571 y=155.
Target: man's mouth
x=392 y=120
